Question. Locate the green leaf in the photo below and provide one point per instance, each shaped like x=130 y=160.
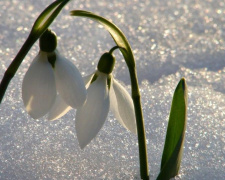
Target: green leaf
x=173 y=148
x=115 y=32
x=47 y=16
x=41 y=24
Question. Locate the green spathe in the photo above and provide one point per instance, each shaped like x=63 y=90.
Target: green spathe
x=106 y=63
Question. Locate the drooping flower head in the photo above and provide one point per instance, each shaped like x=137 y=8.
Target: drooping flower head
x=103 y=93
x=51 y=78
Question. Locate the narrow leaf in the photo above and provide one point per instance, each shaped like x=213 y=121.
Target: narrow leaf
x=47 y=16
x=40 y=25
x=173 y=148
x=115 y=32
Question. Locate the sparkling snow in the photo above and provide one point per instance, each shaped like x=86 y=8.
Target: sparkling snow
x=170 y=39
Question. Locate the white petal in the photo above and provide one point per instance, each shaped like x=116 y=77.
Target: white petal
x=91 y=117
x=69 y=82
x=38 y=89
x=87 y=80
x=59 y=109
x=122 y=106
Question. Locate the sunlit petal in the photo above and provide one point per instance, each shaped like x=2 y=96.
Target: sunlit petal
x=87 y=80
x=38 y=89
x=122 y=106
x=69 y=82
x=91 y=117
x=59 y=109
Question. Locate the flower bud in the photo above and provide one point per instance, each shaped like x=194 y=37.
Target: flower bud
x=106 y=63
x=48 y=41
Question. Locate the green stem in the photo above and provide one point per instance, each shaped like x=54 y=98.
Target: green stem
x=140 y=124
x=114 y=48
x=143 y=156
x=11 y=71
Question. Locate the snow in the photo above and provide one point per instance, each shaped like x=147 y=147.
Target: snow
x=170 y=40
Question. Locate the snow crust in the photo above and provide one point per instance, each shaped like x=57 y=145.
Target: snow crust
x=170 y=39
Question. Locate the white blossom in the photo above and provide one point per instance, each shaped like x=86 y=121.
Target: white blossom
x=45 y=84
x=103 y=93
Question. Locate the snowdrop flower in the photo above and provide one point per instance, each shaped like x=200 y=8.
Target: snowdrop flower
x=49 y=79
x=103 y=93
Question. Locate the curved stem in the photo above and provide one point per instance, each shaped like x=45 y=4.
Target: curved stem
x=125 y=49
x=114 y=48
x=140 y=124
x=11 y=71
x=136 y=97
